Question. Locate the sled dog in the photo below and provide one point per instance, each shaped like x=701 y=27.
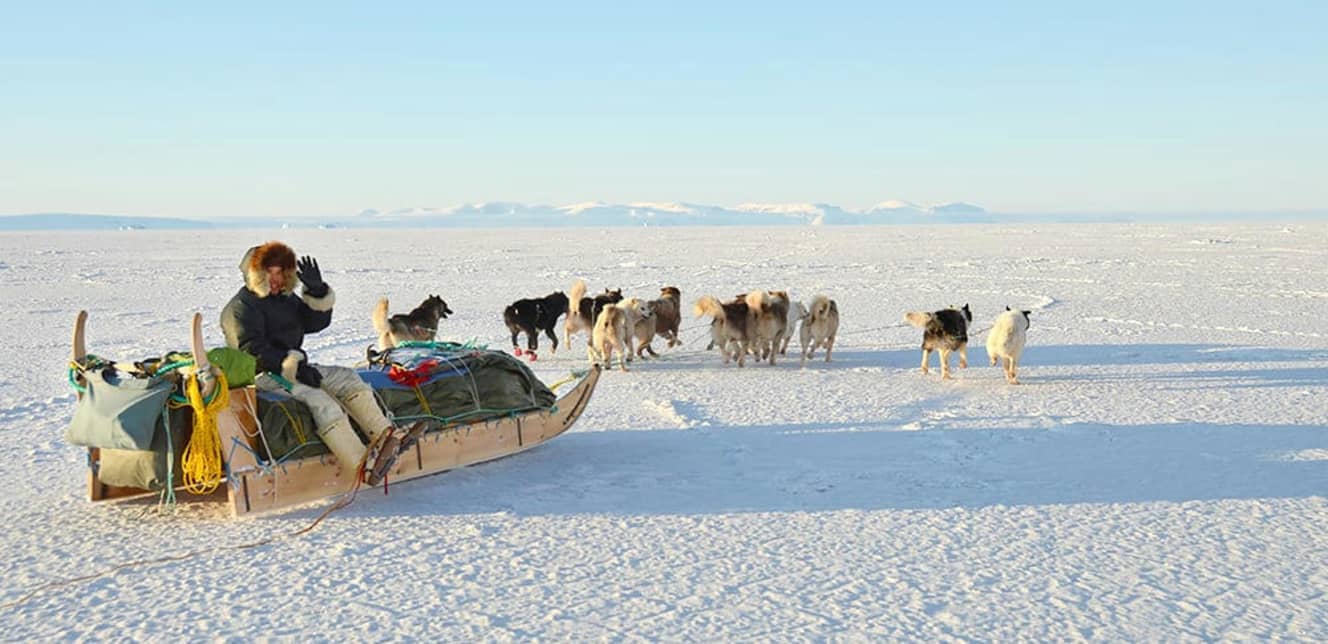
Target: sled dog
x=582 y=311
x=421 y=324
x=820 y=327
x=945 y=331
x=728 y=326
x=1006 y=340
x=796 y=314
x=769 y=319
x=613 y=332
x=533 y=315
x=665 y=316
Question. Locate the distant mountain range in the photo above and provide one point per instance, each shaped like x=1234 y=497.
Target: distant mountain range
x=600 y=214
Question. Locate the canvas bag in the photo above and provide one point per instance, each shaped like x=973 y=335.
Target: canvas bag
x=118 y=411
x=148 y=470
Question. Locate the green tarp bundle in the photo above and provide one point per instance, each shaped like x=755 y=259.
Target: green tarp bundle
x=469 y=385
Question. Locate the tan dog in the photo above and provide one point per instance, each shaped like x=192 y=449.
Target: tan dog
x=613 y=332
x=819 y=327
x=667 y=314
x=769 y=319
x=728 y=326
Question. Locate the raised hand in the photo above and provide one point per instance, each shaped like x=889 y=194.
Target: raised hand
x=312 y=277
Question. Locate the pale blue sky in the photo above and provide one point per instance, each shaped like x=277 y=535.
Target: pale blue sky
x=176 y=109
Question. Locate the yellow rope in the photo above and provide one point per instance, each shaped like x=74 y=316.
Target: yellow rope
x=424 y=402
x=296 y=425
x=570 y=378
x=200 y=464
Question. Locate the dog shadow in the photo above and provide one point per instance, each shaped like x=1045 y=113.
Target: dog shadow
x=824 y=467
x=1080 y=355
x=1067 y=355
x=1062 y=355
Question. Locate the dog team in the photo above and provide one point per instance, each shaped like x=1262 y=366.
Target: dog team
x=760 y=324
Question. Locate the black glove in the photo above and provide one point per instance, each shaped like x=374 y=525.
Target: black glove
x=307 y=374
x=308 y=272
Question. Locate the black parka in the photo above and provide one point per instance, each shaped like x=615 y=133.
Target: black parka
x=269 y=326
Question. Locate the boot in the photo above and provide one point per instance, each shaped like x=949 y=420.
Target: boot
x=388 y=448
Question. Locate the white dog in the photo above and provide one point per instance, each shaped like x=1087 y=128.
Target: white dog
x=796 y=313
x=1006 y=340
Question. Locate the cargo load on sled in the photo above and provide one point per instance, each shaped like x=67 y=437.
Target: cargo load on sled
x=194 y=422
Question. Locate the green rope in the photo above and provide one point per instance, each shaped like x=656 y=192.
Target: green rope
x=285 y=384
x=168 y=495
x=172 y=366
x=472 y=344
x=94 y=362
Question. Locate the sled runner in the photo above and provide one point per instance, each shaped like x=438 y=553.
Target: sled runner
x=264 y=469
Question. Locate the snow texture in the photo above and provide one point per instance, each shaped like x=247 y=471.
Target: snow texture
x=1159 y=476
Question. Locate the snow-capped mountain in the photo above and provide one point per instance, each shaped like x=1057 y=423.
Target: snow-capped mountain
x=513 y=214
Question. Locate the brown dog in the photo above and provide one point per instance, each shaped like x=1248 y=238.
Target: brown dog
x=769 y=311
x=667 y=314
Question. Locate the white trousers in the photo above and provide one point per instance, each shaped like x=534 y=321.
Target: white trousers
x=342 y=391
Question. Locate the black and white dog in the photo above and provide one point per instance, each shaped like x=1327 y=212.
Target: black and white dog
x=945 y=331
x=582 y=311
x=532 y=315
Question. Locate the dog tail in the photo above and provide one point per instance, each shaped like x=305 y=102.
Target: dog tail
x=574 y=296
x=919 y=319
x=382 y=327
x=756 y=301
x=821 y=306
x=709 y=305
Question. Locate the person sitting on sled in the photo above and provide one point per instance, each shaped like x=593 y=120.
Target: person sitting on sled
x=267 y=320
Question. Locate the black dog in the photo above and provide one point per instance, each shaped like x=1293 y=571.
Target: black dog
x=591 y=306
x=532 y=315
x=421 y=324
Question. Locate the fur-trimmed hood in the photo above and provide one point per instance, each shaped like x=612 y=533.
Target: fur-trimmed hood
x=255 y=263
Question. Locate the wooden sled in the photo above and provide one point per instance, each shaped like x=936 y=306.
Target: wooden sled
x=255 y=487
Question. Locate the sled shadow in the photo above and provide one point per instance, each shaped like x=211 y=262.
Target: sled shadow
x=819 y=467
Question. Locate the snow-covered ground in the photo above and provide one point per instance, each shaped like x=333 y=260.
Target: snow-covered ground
x=1160 y=475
